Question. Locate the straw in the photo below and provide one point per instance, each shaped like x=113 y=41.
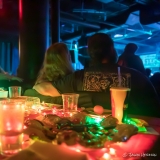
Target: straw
x=119 y=77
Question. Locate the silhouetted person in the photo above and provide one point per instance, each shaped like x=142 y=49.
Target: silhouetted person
x=129 y=59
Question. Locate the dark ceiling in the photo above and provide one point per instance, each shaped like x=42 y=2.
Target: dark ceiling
x=126 y=21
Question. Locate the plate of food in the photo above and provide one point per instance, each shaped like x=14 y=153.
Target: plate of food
x=79 y=129
x=98 y=111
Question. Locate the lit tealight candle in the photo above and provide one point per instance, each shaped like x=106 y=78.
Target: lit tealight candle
x=71 y=114
x=33 y=107
x=24 y=127
x=106 y=156
x=77 y=150
x=112 y=151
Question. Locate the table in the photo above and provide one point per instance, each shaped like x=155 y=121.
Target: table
x=139 y=146
x=152 y=121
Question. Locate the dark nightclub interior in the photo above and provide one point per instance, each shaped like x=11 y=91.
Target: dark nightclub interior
x=83 y=76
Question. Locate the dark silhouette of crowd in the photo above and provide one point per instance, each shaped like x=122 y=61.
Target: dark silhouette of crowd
x=130 y=60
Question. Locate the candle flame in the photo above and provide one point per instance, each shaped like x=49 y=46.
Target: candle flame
x=112 y=151
x=106 y=156
x=24 y=127
x=8 y=125
x=77 y=150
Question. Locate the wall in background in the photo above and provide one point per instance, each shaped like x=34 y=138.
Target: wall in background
x=9 y=57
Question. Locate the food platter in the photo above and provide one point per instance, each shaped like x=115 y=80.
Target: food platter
x=83 y=128
x=98 y=136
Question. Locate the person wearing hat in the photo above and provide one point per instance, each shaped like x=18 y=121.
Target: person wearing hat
x=129 y=59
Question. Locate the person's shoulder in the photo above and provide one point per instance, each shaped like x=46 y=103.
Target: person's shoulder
x=120 y=56
x=69 y=78
x=79 y=74
x=79 y=71
x=30 y=92
x=134 y=72
x=137 y=57
x=74 y=74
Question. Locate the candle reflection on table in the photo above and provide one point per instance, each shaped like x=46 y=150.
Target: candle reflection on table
x=107 y=153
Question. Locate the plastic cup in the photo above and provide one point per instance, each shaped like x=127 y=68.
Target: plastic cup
x=3 y=94
x=32 y=105
x=14 y=91
x=118 y=96
x=11 y=127
x=70 y=102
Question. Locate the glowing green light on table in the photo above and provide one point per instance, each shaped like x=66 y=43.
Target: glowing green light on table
x=100 y=128
x=140 y=128
x=115 y=130
x=109 y=138
x=98 y=120
x=97 y=135
x=94 y=120
x=128 y=121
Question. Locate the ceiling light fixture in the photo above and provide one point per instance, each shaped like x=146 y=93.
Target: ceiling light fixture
x=118 y=35
x=141 y=31
x=129 y=29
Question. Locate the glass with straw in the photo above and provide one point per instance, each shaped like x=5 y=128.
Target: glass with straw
x=118 y=98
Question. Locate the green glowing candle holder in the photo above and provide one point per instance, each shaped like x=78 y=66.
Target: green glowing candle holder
x=140 y=128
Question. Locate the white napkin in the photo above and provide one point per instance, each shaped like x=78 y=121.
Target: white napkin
x=48 y=151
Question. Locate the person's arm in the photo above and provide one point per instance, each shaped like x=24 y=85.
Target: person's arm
x=4 y=76
x=69 y=83
x=56 y=88
x=47 y=89
x=2 y=71
x=9 y=77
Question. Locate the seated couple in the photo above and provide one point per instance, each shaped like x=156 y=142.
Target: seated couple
x=93 y=83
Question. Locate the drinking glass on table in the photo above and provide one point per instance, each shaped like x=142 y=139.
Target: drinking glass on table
x=70 y=102
x=3 y=93
x=119 y=95
x=32 y=105
x=11 y=126
x=118 y=98
x=14 y=91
